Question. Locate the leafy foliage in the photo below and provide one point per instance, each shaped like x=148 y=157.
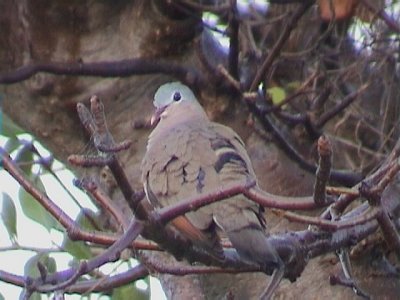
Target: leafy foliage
x=9 y=128
x=32 y=208
x=9 y=217
x=277 y=94
x=79 y=249
x=131 y=291
x=41 y=261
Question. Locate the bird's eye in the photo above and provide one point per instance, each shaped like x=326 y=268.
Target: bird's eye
x=177 y=96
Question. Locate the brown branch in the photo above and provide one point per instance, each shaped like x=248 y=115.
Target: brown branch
x=110 y=282
x=178 y=269
x=390 y=22
x=281 y=202
x=294 y=253
x=95 y=123
x=80 y=270
x=334 y=190
x=87 y=161
x=69 y=276
x=166 y=214
x=378 y=196
x=389 y=232
x=330 y=225
x=343 y=177
x=350 y=98
x=233 y=31
x=105 y=202
x=324 y=169
x=30 y=188
x=290 y=25
x=348 y=282
x=73 y=230
x=46 y=163
x=104 y=284
x=122 y=68
x=380 y=178
x=299 y=91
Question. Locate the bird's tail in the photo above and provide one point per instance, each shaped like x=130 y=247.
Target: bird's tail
x=247 y=234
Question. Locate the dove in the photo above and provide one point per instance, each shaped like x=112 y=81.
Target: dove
x=189 y=155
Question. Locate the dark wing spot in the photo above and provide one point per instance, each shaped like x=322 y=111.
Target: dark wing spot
x=171 y=160
x=184 y=174
x=200 y=180
x=219 y=143
x=260 y=216
x=239 y=141
x=229 y=157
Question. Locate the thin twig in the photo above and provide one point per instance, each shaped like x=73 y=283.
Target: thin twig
x=389 y=232
x=168 y=213
x=281 y=202
x=46 y=163
x=324 y=169
x=347 y=271
x=350 y=98
x=330 y=225
x=290 y=25
x=122 y=68
x=178 y=269
x=233 y=30
x=109 y=255
x=337 y=280
x=343 y=177
x=74 y=232
x=30 y=188
x=105 y=202
x=136 y=273
x=390 y=22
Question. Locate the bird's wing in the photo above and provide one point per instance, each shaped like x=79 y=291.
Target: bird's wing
x=179 y=166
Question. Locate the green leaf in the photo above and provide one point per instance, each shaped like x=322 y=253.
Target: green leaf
x=24 y=159
x=9 y=217
x=277 y=94
x=86 y=218
x=77 y=249
x=33 y=296
x=1 y=297
x=31 y=268
x=9 y=128
x=130 y=291
x=293 y=85
x=12 y=144
x=33 y=209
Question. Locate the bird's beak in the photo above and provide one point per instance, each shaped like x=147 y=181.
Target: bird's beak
x=155 y=118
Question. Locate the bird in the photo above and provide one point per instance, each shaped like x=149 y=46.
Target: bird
x=189 y=155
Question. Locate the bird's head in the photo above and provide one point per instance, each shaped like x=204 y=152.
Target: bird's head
x=174 y=100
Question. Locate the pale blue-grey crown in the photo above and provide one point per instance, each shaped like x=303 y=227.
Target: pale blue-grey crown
x=170 y=92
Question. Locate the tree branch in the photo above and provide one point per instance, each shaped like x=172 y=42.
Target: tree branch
x=122 y=68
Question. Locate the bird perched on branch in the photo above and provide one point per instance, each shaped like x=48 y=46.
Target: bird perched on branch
x=188 y=155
